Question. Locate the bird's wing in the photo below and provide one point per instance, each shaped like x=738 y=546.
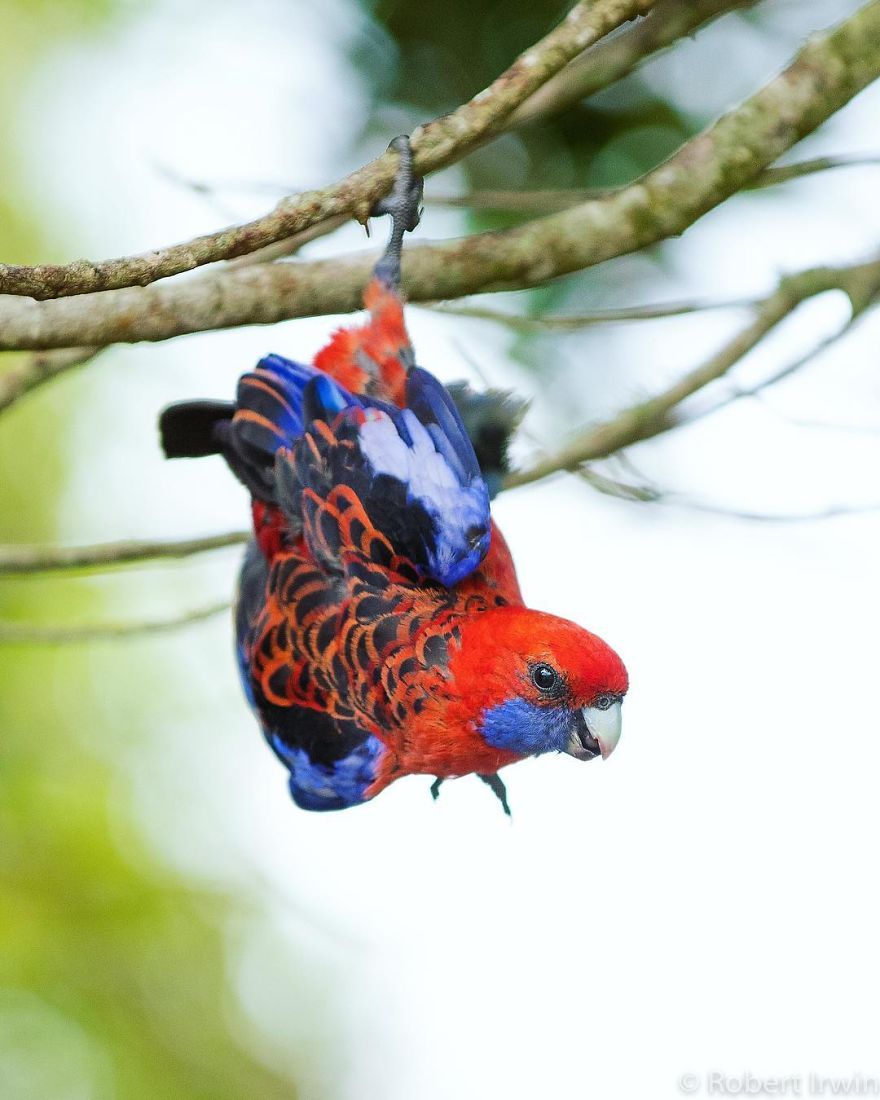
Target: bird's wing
x=400 y=487
x=299 y=684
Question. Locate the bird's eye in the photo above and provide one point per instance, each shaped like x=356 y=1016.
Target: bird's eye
x=605 y=700
x=544 y=677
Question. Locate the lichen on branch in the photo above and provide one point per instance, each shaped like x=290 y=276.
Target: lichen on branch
x=828 y=72
x=435 y=145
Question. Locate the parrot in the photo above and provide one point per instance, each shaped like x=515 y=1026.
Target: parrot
x=380 y=629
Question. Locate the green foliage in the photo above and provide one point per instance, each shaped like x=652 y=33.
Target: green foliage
x=445 y=52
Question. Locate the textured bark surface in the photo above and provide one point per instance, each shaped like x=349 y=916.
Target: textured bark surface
x=708 y=169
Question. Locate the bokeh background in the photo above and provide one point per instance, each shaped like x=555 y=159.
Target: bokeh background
x=170 y=925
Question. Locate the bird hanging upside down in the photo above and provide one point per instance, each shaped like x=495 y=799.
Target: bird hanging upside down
x=380 y=627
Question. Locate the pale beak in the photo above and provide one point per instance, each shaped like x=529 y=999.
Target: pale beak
x=595 y=732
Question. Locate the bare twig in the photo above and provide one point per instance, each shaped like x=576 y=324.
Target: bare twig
x=577 y=321
x=645 y=494
x=827 y=73
x=44 y=366
x=38 y=368
x=736 y=393
x=650 y=494
x=39 y=634
x=613 y=59
x=612 y=487
x=812 y=423
x=862 y=295
x=782 y=173
x=595 y=68
x=435 y=145
x=289 y=246
x=653 y=416
x=551 y=200
x=834 y=512
x=46 y=559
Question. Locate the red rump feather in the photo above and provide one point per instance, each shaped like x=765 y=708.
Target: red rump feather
x=378 y=351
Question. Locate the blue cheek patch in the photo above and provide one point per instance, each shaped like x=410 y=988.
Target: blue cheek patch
x=330 y=786
x=526 y=728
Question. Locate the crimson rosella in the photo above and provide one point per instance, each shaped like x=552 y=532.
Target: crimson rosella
x=380 y=626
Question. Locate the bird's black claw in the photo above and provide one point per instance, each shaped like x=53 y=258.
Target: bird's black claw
x=496 y=785
x=403 y=203
x=435 y=788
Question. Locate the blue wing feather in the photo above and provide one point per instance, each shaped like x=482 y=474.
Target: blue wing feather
x=431 y=403
x=413 y=470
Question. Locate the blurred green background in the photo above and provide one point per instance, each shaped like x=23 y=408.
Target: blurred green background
x=120 y=953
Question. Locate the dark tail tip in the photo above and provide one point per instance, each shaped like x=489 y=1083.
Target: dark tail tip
x=192 y=429
x=490 y=419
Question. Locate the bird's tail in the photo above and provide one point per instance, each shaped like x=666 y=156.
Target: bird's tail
x=266 y=415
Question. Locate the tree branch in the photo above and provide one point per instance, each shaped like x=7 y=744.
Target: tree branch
x=551 y=200
x=836 y=511
x=46 y=559
x=574 y=322
x=38 y=368
x=826 y=74
x=649 y=418
x=649 y=494
x=861 y=282
x=44 y=366
x=39 y=634
x=738 y=392
x=435 y=145
x=610 y=61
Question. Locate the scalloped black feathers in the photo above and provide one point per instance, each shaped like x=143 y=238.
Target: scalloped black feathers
x=394 y=485
x=298 y=439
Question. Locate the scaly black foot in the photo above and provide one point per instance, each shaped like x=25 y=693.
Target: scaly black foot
x=435 y=788
x=496 y=785
x=403 y=203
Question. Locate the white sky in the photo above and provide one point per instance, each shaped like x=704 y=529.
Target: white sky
x=705 y=901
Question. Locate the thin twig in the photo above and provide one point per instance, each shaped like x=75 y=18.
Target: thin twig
x=644 y=494
x=815 y=424
x=612 y=487
x=708 y=169
x=552 y=200
x=39 y=634
x=783 y=173
x=736 y=393
x=862 y=296
x=435 y=145
x=289 y=246
x=833 y=512
x=651 y=417
x=615 y=58
x=47 y=559
x=576 y=321
x=42 y=366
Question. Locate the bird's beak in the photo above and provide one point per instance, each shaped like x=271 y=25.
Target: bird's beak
x=595 y=732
